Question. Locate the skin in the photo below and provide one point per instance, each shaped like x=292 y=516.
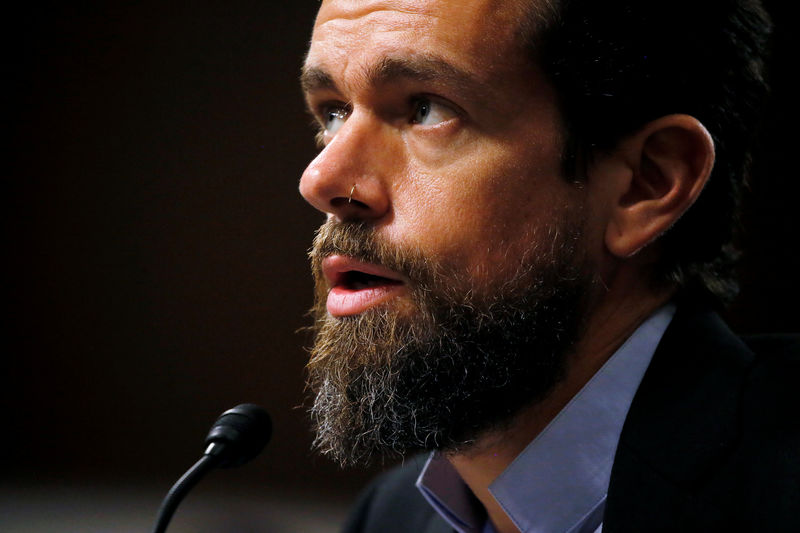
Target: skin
x=484 y=178
x=477 y=179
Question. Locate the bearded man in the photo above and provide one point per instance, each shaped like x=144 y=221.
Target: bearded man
x=529 y=214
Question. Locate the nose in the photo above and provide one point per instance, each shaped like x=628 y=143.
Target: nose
x=348 y=179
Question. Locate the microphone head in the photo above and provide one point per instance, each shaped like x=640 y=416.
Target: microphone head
x=239 y=435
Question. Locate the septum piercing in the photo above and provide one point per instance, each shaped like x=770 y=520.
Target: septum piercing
x=350 y=198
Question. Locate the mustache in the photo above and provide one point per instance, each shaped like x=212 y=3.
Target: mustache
x=362 y=242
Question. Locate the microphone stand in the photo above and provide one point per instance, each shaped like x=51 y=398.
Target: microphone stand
x=182 y=487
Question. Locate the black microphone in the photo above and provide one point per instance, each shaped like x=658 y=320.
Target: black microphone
x=237 y=436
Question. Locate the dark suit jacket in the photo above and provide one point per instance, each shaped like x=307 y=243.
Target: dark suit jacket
x=711 y=442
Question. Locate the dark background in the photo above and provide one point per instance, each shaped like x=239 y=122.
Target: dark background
x=155 y=242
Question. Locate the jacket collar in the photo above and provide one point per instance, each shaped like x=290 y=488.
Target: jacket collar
x=682 y=423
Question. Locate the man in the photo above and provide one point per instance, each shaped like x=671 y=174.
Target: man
x=529 y=209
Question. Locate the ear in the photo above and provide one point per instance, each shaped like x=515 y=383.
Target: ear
x=668 y=163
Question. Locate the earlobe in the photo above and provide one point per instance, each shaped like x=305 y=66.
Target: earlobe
x=670 y=162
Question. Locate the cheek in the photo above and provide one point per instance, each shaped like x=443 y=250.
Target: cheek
x=474 y=217
x=479 y=203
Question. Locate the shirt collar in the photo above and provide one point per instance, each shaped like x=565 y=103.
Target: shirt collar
x=560 y=479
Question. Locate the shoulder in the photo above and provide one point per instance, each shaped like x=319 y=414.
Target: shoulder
x=770 y=433
x=771 y=402
x=776 y=349
x=392 y=503
x=748 y=385
x=714 y=429
x=771 y=396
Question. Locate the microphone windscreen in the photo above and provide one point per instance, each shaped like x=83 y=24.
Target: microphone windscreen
x=242 y=432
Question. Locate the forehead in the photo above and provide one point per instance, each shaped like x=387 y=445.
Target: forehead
x=477 y=35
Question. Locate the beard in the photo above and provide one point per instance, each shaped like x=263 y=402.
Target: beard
x=456 y=365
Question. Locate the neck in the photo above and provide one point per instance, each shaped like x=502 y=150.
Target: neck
x=611 y=322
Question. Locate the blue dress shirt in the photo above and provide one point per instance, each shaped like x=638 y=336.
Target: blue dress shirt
x=560 y=480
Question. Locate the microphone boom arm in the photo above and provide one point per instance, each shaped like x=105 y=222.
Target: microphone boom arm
x=181 y=488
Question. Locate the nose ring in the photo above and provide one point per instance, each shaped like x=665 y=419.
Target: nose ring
x=350 y=198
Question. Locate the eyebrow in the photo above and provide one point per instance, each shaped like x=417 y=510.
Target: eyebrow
x=388 y=69
x=315 y=79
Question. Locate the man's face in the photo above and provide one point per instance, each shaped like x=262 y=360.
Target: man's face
x=452 y=257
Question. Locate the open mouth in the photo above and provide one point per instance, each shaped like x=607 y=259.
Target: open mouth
x=355 y=280
x=357 y=286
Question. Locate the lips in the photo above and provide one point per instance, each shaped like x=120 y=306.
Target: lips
x=357 y=286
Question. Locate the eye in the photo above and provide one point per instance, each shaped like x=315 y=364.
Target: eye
x=428 y=112
x=329 y=118
x=333 y=117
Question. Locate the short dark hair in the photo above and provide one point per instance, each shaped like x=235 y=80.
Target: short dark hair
x=618 y=64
